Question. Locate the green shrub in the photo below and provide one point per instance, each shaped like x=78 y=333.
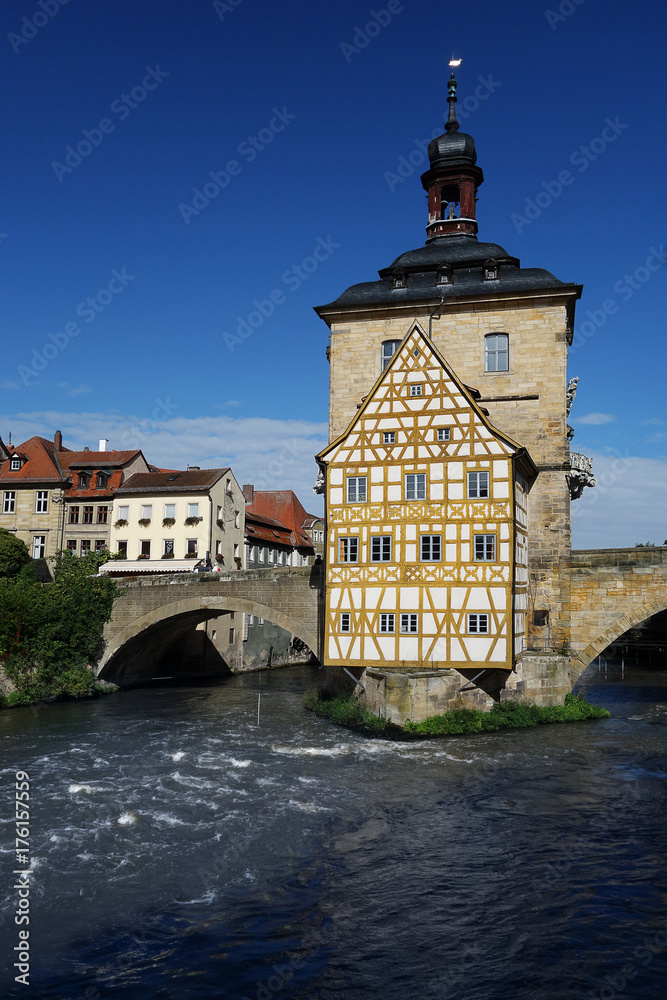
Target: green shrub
x=506 y=715
x=343 y=711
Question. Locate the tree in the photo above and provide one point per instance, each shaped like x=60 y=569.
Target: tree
x=13 y=553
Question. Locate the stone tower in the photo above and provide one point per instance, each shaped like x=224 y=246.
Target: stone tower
x=502 y=329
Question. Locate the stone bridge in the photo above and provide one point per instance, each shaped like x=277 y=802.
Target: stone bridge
x=152 y=612
x=611 y=591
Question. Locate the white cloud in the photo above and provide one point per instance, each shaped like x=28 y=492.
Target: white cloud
x=653 y=422
x=270 y=454
x=594 y=418
x=626 y=507
x=74 y=390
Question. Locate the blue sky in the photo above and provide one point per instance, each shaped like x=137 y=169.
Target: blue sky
x=131 y=292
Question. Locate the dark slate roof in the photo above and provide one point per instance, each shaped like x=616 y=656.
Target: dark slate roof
x=466 y=256
x=192 y=481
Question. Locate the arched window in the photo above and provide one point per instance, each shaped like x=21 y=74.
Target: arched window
x=496 y=352
x=389 y=348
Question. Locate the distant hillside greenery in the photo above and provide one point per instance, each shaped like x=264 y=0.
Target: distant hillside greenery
x=51 y=633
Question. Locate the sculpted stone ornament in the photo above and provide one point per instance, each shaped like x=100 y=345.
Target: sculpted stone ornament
x=581 y=474
x=320 y=483
x=571 y=392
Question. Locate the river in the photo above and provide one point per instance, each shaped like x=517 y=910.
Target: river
x=180 y=850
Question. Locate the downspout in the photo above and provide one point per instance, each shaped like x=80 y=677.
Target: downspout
x=210 y=533
x=430 y=319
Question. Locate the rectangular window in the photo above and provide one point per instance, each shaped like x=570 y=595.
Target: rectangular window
x=170 y=510
x=389 y=437
x=247 y=621
x=346 y=622
x=478 y=485
x=389 y=348
x=71 y=545
x=85 y=546
x=444 y=433
x=42 y=502
x=100 y=545
x=145 y=548
x=101 y=481
x=9 y=502
x=83 y=481
x=191 y=548
x=262 y=554
x=431 y=548
x=193 y=510
x=73 y=516
x=15 y=464
x=348 y=549
x=231 y=636
x=146 y=511
x=356 y=489
x=168 y=549
x=87 y=515
x=485 y=548
x=408 y=624
x=478 y=624
x=496 y=352
x=415 y=486
x=122 y=548
x=415 y=390
x=387 y=623
x=38 y=546
x=102 y=515
x=381 y=548
x=124 y=513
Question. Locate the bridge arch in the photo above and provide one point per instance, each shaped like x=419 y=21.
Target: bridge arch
x=150 y=634
x=635 y=616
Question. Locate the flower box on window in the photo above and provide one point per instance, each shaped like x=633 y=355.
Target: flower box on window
x=144 y=521
x=122 y=523
x=168 y=522
x=168 y=555
x=191 y=521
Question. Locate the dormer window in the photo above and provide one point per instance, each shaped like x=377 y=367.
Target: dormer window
x=491 y=270
x=102 y=480
x=15 y=464
x=444 y=276
x=400 y=280
x=83 y=481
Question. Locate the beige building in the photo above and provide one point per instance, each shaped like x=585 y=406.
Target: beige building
x=176 y=521
x=32 y=491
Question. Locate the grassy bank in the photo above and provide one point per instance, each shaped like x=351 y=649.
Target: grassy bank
x=505 y=715
x=70 y=685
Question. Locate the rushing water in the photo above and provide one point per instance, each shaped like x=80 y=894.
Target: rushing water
x=180 y=850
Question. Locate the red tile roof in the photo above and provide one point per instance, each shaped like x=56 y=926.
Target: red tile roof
x=193 y=480
x=284 y=507
x=41 y=465
x=266 y=529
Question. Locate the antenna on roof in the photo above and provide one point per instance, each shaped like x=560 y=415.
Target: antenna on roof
x=9 y=442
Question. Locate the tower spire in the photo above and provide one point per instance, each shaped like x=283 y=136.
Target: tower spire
x=452 y=124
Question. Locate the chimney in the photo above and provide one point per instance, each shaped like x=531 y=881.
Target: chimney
x=249 y=494
x=104 y=444
x=86 y=448
x=57 y=440
x=193 y=468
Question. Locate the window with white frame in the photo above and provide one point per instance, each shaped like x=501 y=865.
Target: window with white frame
x=262 y=554
x=38 y=546
x=356 y=489
x=124 y=513
x=168 y=547
x=387 y=623
x=415 y=390
x=191 y=548
x=484 y=548
x=122 y=549
x=389 y=437
x=146 y=511
x=9 y=502
x=444 y=433
x=237 y=519
x=41 y=501
x=431 y=548
x=144 y=548
x=193 y=510
x=246 y=626
x=381 y=548
x=389 y=348
x=478 y=485
x=15 y=464
x=348 y=549
x=415 y=486
x=478 y=624
x=345 y=624
x=496 y=352
x=408 y=624
x=170 y=510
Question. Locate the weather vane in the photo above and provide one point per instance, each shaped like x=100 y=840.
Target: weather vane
x=455 y=62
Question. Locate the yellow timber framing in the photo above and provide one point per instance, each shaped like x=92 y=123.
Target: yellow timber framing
x=443 y=593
